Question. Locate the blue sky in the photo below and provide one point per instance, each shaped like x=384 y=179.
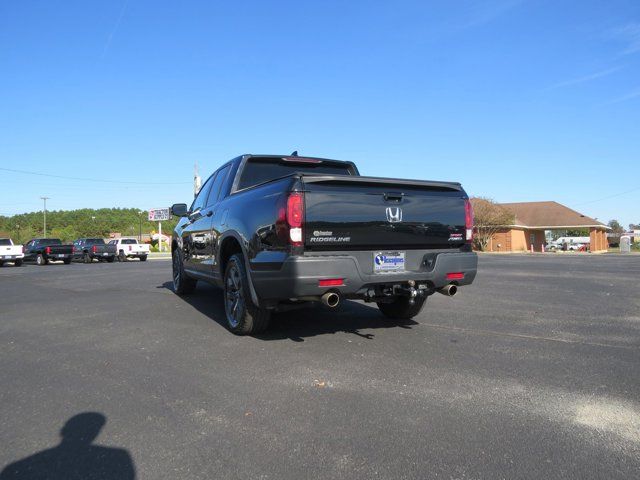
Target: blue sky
x=518 y=100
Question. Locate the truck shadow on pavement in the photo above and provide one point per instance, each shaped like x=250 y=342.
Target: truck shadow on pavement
x=296 y=325
x=76 y=457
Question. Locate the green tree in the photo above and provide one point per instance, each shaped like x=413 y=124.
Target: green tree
x=489 y=219
x=615 y=226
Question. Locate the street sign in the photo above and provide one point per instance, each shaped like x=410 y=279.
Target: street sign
x=159 y=215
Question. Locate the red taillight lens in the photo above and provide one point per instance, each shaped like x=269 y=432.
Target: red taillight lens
x=295 y=210
x=94 y=249
x=468 y=220
x=47 y=250
x=455 y=275
x=295 y=217
x=331 y=282
x=129 y=247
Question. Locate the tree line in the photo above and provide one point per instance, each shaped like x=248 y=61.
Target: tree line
x=69 y=225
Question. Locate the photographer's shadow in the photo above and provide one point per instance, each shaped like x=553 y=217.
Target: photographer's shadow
x=75 y=458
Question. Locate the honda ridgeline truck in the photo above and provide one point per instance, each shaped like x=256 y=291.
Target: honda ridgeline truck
x=280 y=231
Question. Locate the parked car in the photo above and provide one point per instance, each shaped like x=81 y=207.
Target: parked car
x=276 y=232
x=10 y=252
x=130 y=248
x=88 y=249
x=44 y=250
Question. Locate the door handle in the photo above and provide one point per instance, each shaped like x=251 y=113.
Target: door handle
x=209 y=213
x=395 y=196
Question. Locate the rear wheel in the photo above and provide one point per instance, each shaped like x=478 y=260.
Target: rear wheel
x=400 y=308
x=18 y=263
x=110 y=259
x=67 y=261
x=182 y=284
x=122 y=257
x=1 y=263
x=86 y=258
x=143 y=258
x=243 y=316
x=40 y=260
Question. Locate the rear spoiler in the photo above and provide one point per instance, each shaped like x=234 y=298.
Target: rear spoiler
x=449 y=186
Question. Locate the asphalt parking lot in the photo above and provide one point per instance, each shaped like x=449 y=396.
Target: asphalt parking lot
x=532 y=372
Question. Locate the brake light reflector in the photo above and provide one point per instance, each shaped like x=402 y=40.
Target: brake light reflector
x=455 y=275
x=468 y=220
x=295 y=217
x=331 y=282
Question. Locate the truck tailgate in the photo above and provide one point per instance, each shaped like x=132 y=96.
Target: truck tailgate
x=348 y=213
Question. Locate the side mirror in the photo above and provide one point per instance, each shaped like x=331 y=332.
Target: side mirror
x=179 y=209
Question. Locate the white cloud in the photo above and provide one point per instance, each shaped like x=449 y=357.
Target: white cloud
x=629 y=35
x=585 y=78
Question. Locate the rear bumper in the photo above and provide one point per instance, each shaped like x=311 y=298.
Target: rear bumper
x=57 y=256
x=299 y=275
x=10 y=258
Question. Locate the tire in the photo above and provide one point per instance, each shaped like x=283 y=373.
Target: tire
x=110 y=259
x=40 y=260
x=122 y=257
x=143 y=258
x=18 y=263
x=182 y=283
x=67 y=261
x=243 y=316
x=401 y=309
x=1 y=263
x=86 y=258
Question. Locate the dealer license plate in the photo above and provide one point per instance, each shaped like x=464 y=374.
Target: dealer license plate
x=388 y=262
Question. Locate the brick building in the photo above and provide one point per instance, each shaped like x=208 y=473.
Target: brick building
x=532 y=219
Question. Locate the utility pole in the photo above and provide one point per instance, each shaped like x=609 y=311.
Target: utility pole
x=45 y=216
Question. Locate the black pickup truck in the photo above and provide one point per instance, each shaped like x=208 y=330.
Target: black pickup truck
x=43 y=250
x=280 y=231
x=88 y=249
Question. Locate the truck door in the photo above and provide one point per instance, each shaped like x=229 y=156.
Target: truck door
x=196 y=233
x=213 y=203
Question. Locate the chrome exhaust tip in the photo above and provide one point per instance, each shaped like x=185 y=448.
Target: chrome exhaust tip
x=448 y=290
x=330 y=299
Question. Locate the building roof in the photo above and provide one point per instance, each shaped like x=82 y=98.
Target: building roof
x=549 y=215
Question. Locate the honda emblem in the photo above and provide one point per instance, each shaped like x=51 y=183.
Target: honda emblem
x=394 y=214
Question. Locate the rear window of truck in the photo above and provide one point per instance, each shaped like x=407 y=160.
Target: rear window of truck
x=128 y=241
x=5 y=241
x=257 y=171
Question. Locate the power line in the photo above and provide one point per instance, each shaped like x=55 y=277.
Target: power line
x=100 y=180
x=608 y=197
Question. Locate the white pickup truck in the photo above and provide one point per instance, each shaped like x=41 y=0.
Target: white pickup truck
x=130 y=248
x=10 y=252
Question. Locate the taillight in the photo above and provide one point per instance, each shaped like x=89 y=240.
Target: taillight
x=468 y=219
x=47 y=250
x=22 y=248
x=94 y=249
x=129 y=247
x=295 y=217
